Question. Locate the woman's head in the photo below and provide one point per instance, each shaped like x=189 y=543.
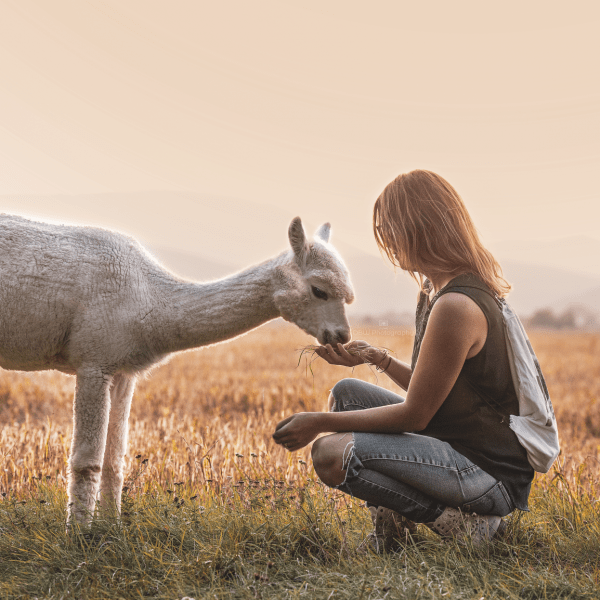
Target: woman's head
x=423 y=227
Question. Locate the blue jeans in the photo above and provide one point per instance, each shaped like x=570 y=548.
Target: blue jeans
x=415 y=475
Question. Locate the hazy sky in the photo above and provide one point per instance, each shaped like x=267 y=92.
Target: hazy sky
x=310 y=106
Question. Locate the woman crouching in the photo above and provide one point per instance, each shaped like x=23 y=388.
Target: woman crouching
x=444 y=455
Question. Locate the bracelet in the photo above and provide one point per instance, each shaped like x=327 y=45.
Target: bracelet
x=388 y=365
x=381 y=369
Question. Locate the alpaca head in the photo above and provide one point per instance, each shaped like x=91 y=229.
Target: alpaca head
x=313 y=286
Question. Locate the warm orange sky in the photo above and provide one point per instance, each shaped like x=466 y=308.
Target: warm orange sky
x=312 y=106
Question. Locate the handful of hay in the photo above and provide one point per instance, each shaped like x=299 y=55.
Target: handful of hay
x=363 y=353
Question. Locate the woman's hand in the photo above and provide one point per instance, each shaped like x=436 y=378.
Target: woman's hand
x=297 y=431
x=352 y=354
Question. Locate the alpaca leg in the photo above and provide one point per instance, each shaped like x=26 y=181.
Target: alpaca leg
x=121 y=393
x=90 y=424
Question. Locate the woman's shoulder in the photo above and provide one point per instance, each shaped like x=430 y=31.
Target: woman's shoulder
x=473 y=287
x=458 y=308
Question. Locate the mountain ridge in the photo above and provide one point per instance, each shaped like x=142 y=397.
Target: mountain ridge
x=202 y=237
x=379 y=290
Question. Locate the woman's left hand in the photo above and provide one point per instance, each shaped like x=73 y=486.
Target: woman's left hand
x=297 y=431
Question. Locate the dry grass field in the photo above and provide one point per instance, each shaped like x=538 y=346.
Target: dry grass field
x=213 y=508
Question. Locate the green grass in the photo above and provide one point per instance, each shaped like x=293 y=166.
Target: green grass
x=268 y=539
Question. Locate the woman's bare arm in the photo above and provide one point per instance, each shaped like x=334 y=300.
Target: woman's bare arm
x=399 y=372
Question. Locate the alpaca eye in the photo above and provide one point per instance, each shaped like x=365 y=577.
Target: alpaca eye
x=319 y=293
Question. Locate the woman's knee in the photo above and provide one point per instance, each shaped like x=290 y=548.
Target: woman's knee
x=341 y=392
x=328 y=459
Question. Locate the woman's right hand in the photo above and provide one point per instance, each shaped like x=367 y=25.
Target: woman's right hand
x=352 y=354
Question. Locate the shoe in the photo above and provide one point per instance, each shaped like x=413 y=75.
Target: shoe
x=390 y=531
x=458 y=525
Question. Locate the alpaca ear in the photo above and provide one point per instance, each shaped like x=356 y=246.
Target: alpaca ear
x=324 y=232
x=298 y=238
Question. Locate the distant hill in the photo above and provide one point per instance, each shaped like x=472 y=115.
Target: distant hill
x=577 y=254
x=380 y=291
x=542 y=274
x=191 y=266
x=559 y=274
x=219 y=229
x=589 y=297
x=225 y=235
x=536 y=286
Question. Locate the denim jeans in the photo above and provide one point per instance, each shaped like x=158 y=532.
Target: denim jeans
x=415 y=475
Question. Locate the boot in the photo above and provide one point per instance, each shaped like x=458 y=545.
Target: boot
x=390 y=531
x=456 y=524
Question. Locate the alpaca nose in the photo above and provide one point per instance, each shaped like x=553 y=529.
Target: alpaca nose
x=343 y=336
x=340 y=336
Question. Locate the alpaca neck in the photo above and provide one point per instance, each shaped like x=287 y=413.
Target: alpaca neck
x=197 y=314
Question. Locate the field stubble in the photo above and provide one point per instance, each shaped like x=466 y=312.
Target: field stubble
x=213 y=507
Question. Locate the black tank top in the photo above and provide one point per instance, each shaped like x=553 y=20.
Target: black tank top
x=474 y=417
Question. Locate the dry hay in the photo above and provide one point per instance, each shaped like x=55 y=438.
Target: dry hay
x=206 y=417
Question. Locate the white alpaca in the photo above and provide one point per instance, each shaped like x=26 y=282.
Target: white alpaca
x=92 y=303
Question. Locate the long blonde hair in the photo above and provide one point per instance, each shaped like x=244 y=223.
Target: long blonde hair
x=420 y=221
